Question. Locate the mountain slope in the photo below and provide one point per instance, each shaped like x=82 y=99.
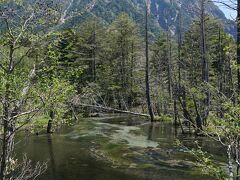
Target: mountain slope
x=164 y=13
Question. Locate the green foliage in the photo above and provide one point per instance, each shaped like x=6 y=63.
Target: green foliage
x=104 y=66
x=207 y=164
x=204 y=161
x=162 y=65
x=118 y=61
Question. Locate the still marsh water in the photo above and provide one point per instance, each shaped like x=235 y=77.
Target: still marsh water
x=115 y=148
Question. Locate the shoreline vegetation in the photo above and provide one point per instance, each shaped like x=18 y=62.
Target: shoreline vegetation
x=54 y=72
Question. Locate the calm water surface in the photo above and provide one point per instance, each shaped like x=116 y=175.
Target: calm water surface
x=115 y=148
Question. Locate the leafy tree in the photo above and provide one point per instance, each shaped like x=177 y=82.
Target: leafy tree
x=23 y=28
x=161 y=68
x=118 y=60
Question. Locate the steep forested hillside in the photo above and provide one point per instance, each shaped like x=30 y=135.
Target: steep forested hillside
x=164 y=13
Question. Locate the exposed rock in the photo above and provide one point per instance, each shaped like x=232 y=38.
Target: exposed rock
x=164 y=13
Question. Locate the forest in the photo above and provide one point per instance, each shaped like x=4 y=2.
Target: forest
x=119 y=100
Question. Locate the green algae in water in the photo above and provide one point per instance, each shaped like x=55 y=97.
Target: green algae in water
x=116 y=154
x=116 y=133
x=123 y=133
x=122 y=146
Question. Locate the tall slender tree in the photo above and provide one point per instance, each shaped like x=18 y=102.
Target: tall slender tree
x=205 y=65
x=22 y=31
x=148 y=96
x=238 y=44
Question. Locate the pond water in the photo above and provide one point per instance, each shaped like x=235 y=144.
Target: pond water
x=115 y=147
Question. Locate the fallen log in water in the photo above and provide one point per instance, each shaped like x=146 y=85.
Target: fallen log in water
x=113 y=110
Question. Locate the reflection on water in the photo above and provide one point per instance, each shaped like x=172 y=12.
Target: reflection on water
x=114 y=148
x=51 y=156
x=150 y=132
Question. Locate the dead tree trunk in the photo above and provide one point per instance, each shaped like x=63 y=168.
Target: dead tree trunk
x=94 y=74
x=238 y=45
x=179 y=48
x=108 y=109
x=220 y=62
x=50 y=122
x=148 y=97
x=198 y=116
x=220 y=71
x=169 y=66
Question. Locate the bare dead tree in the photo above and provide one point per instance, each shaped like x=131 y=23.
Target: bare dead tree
x=25 y=170
x=148 y=96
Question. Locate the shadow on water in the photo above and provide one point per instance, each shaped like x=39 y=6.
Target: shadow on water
x=114 y=148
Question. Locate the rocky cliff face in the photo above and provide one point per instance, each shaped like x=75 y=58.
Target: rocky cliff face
x=164 y=13
x=167 y=11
